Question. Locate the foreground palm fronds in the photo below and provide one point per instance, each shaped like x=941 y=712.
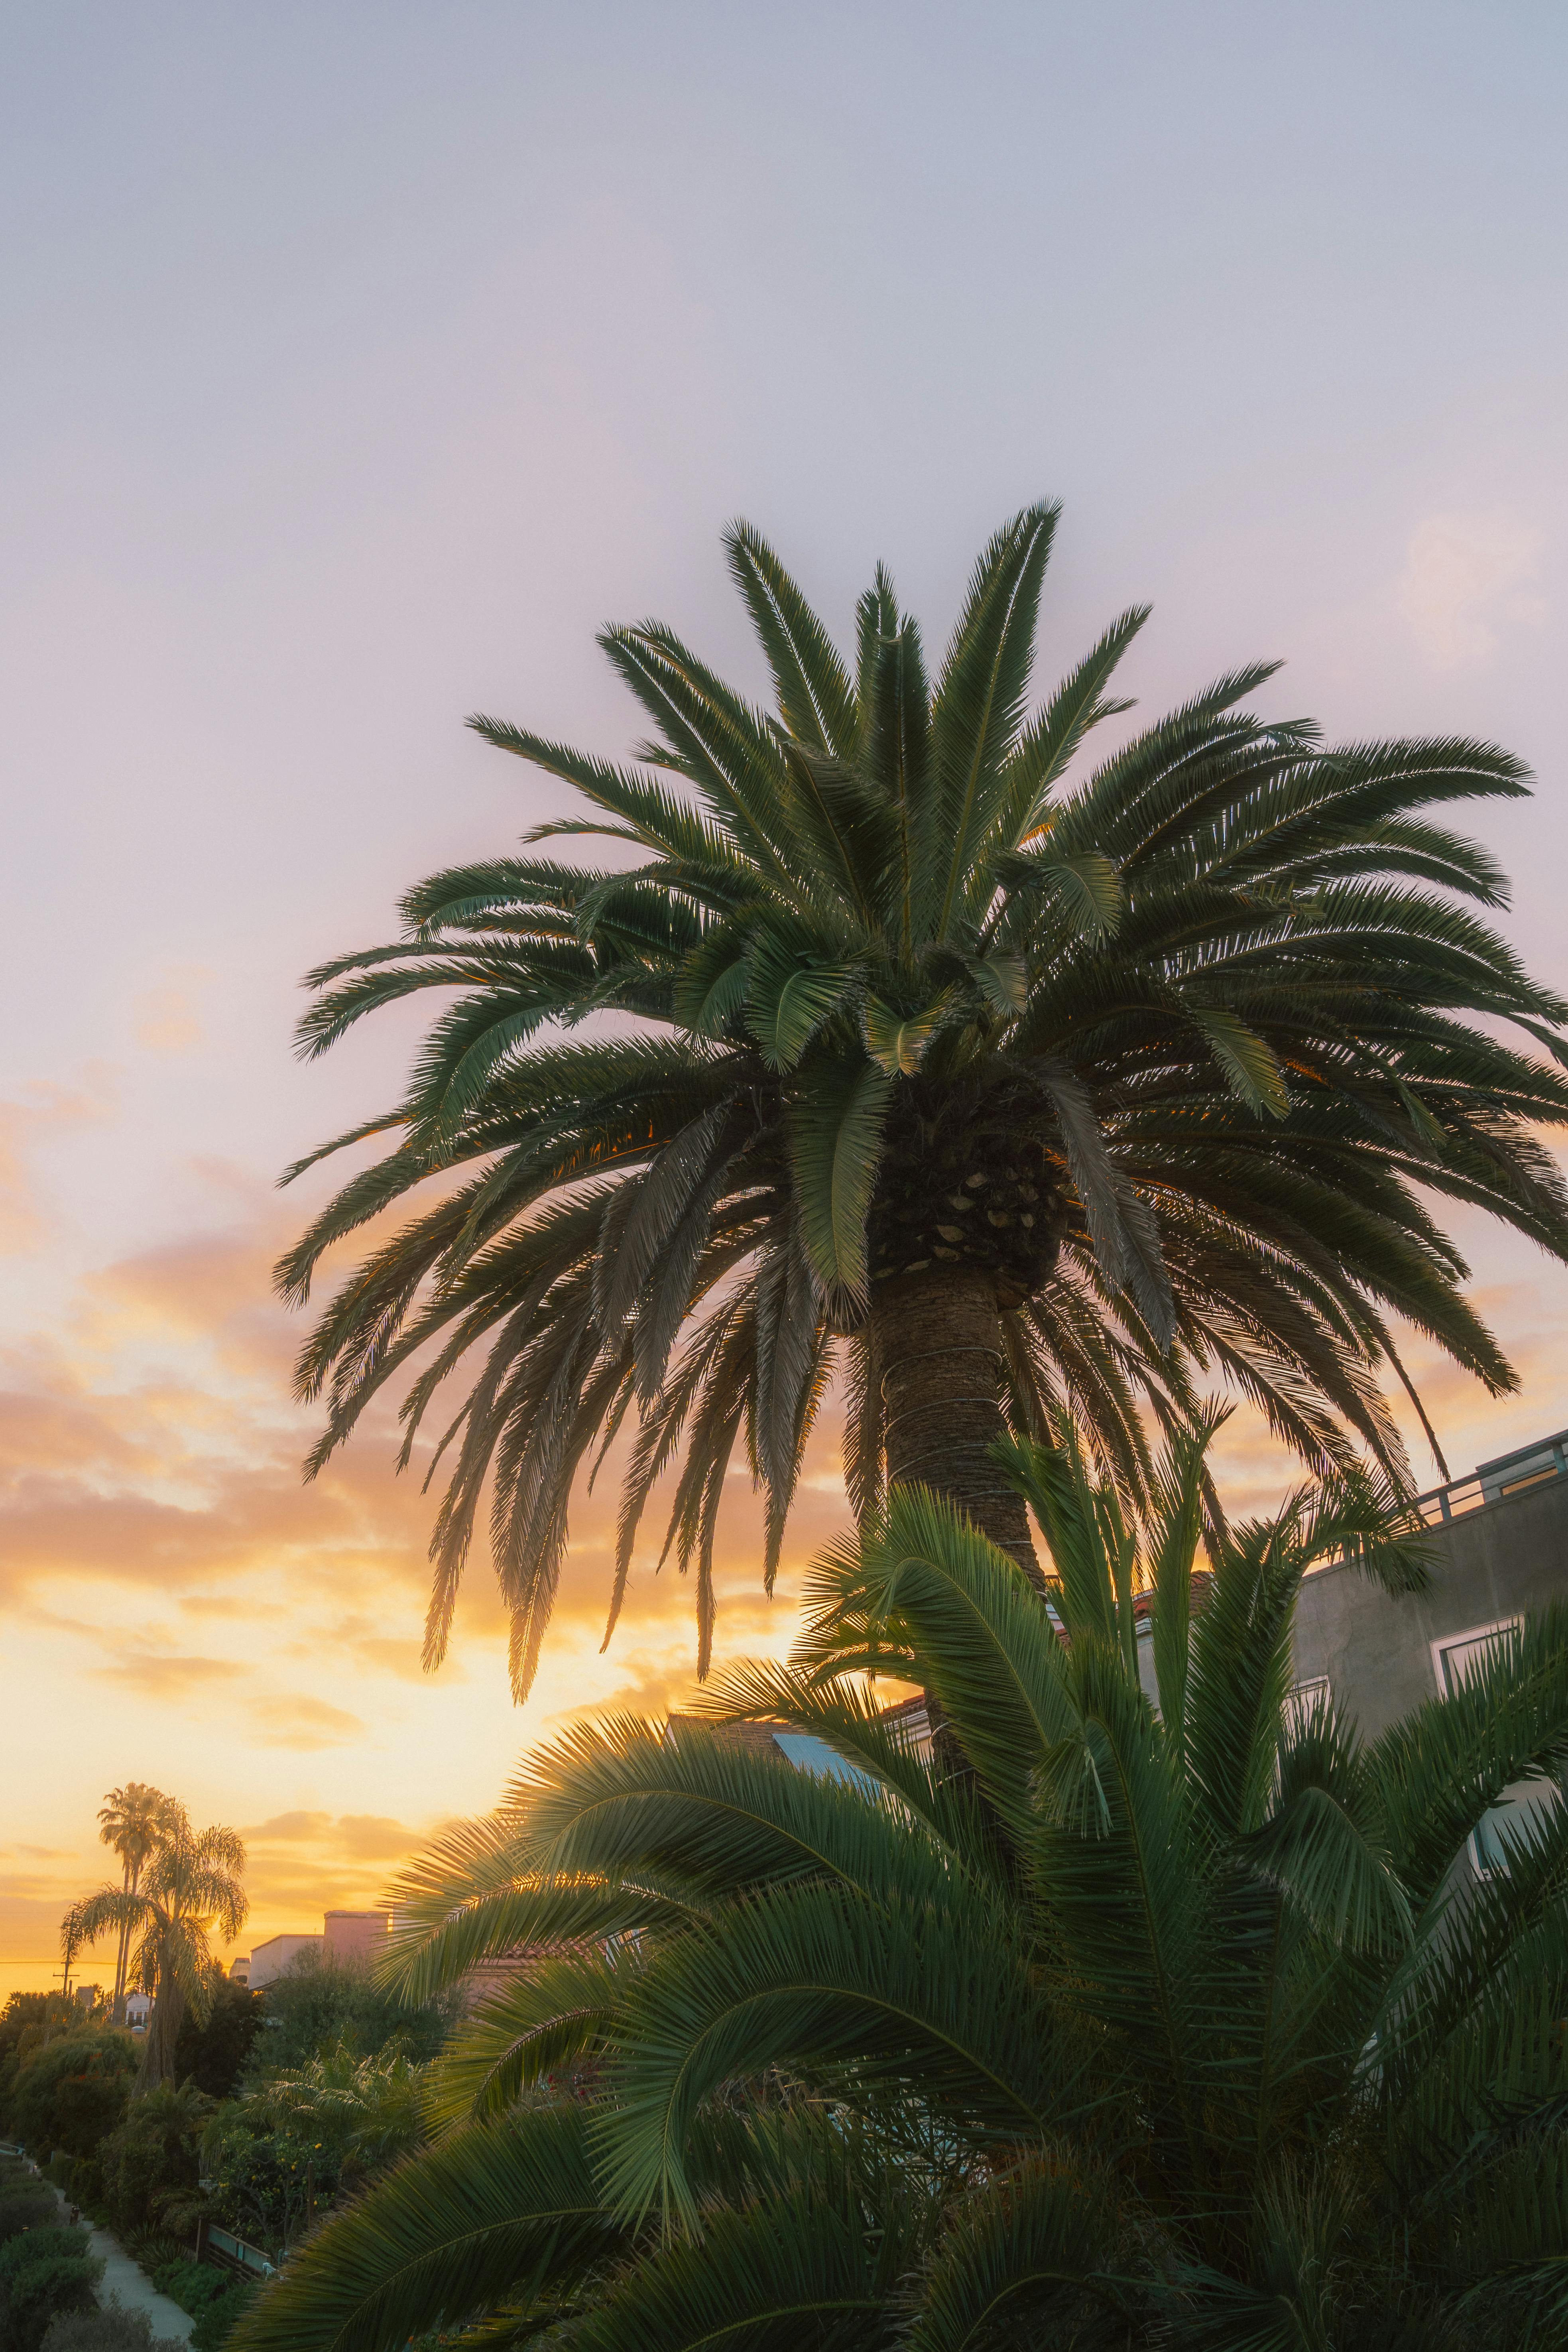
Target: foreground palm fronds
x=1153 y=1072
x=1177 y=2026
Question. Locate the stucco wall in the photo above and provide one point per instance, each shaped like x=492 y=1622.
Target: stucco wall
x=1509 y=1559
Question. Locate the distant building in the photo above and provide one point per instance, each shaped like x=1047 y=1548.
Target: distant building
x=138 y=2009
x=353 y=1938
x=349 y=1939
x=239 y=1969
x=268 y=1960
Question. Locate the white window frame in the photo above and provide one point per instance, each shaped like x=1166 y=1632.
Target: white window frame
x=1456 y=1642
x=1299 y=1698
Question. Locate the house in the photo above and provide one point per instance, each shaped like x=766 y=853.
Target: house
x=348 y=1939
x=1498 y=1553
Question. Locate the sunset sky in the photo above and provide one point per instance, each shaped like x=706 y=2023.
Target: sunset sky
x=360 y=361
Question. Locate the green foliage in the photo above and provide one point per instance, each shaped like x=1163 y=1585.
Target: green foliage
x=1220 y=1011
x=113 y=2329
x=217 y=2323
x=214 y=2051
x=72 y=2092
x=282 y=2152
x=149 y=2164
x=194 y=2286
x=316 y=2006
x=24 y=2207
x=267 y=2181
x=1128 y=2033
x=44 y=2273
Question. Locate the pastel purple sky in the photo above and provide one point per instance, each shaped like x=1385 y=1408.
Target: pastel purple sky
x=359 y=363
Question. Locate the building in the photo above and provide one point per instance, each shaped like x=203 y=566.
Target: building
x=351 y=1939
x=269 y=1959
x=138 y=2009
x=239 y=1969
x=348 y=1939
x=1499 y=1554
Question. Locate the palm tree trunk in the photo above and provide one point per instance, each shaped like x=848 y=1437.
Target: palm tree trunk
x=936 y=1341
x=157 y=2067
x=123 y=1956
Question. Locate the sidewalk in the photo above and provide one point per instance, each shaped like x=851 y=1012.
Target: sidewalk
x=135 y=2290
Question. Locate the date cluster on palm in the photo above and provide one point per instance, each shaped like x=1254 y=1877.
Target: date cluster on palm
x=967 y=1204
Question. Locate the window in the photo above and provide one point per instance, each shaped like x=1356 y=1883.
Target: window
x=1302 y=1703
x=1456 y=1658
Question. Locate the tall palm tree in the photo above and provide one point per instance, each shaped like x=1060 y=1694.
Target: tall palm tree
x=129 y=1820
x=931 y=1056
x=1161 y=2025
x=190 y=1887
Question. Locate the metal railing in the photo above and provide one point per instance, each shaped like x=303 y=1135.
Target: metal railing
x=1494 y=1482
x=234 y=2251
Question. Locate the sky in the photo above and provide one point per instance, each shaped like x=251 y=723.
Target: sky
x=360 y=363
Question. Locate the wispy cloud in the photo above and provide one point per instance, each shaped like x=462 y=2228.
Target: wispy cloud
x=1468 y=579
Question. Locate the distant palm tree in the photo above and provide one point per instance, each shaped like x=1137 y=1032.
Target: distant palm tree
x=190 y=1888
x=920 y=1054
x=128 y=1821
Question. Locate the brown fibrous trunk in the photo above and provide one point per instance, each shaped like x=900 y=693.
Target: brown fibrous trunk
x=937 y=1345
x=157 y=2065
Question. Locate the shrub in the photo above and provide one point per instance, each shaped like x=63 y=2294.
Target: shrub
x=73 y=2091
x=113 y=2329
x=217 y=2322
x=316 y=2006
x=213 y=2057
x=192 y=2285
x=25 y=2208
x=150 y=2249
x=44 y=2273
x=150 y=2162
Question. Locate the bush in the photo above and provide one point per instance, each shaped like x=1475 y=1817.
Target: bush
x=150 y=2162
x=315 y=2006
x=44 y=2273
x=113 y=2329
x=25 y=2208
x=193 y=2285
x=150 y=2249
x=213 y=2057
x=73 y=2091
x=216 y=2322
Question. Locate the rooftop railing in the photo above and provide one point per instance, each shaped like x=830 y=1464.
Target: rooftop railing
x=1495 y=1482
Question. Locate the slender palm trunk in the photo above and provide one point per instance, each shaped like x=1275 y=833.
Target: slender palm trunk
x=937 y=1345
x=123 y=1956
x=157 y=2067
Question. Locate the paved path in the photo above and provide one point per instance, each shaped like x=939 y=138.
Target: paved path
x=134 y=2288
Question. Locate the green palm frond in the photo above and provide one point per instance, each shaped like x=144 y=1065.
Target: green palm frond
x=1230 y=991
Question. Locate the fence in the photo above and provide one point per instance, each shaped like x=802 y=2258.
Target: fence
x=1494 y=1482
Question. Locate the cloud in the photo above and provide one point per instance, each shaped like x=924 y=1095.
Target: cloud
x=164 y=1674
x=168 y=1018
x=1467 y=579
x=290 y=1828
x=294 y=1720
x=47 y=1111
x=360 y=1837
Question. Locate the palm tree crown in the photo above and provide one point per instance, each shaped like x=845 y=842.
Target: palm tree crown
x=191 y=1888
x=129 y=1823
x=1158 y=2024
x=996 y=1082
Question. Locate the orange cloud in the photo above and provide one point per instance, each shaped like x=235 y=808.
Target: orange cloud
x=48 y=1111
